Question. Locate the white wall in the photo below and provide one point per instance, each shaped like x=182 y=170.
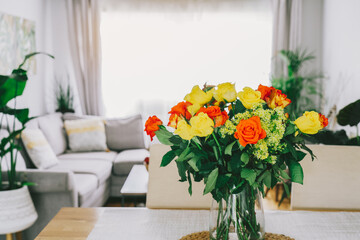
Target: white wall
x=341 y=52
x=34 y=10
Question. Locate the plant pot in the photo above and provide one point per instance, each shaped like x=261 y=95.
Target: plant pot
x=240 y=217
x=17 y=211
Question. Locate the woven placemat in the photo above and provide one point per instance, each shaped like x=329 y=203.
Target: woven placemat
x=205 y=236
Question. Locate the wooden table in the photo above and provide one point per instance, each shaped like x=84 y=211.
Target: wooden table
x=71 y=223
x=147 y=224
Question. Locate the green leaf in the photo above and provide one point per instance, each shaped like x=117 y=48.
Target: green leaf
x=228 y=149
x=182 y=171
x=267 y=179
x=300 y=155
x=350 y=114
x=10 y=89
x=33 y=54
x=190 y=183
x=211 y=181
x=290 y=129
x=249 y=175
x=235 y=162
x=296 y=171
x=239 y=107
x=245 y=158
x=167 y=158
x=222 y=180
x=241 y=147
x=184 y=155
x=193 y=163
x=175 y=139
x=21 y=114
x=283 y=174
x=164 y=136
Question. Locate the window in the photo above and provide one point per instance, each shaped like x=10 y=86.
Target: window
x=152 y=59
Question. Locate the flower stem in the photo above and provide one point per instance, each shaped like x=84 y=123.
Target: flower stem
x=217 y=142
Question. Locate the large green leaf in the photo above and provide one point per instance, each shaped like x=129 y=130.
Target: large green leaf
x=211 y=181
x=164 y=136
x=350 y=115
x=167 y=158
x=10 y=89
x=21 y=114
x=296 y=171
x=249 y=175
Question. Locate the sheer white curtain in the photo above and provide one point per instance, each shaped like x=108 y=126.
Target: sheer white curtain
x=286 y=30
x=154 y=51
x=84 y=33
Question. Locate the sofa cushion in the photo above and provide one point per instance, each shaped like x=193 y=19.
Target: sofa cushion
x=128 y=158
x=86 y=185
x=38 y=148
x=101 y=169
x=86 y=135
x=103 y=156
x=53 y=128
x=125 y=133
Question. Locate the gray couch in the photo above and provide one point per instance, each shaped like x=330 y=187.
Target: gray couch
x=82 y=179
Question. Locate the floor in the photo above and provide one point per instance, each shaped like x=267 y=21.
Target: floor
x=269 y=201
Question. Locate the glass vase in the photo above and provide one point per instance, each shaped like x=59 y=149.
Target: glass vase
x=241 y=216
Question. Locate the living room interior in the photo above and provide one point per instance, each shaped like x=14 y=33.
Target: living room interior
x=179 y=119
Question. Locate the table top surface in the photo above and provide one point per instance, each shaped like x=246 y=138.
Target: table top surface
x=143 y=223
x=137 y=181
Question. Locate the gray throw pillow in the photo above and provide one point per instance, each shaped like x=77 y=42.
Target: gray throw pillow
x=124 y=133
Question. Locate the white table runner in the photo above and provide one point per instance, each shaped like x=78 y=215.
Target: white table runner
x=146 y=224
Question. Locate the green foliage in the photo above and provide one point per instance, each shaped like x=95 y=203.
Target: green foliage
x=64 y=99
x=350 y=114
x=297 y=87
x=11 y=87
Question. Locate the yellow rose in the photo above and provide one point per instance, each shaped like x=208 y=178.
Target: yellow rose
x=198 y=96
x=249 y=97
x=184 y=130
x=309 y=122
x=194 y=108
x=225 y=91
x=202 y=125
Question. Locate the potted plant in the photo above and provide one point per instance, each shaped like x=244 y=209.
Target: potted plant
x=16 y=209
x=299 y=87
x=64 y=98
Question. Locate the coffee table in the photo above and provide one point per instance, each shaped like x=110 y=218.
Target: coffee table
x=136 y=184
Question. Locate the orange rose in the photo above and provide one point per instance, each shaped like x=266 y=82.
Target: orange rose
x=221 y=119
x=215 y=113
x=323 y=120
x=178 y=112
x=277 y=99
x=180 y=109
x=249 y=131
x=265 y=91
x=212 y=111
x=152 y=125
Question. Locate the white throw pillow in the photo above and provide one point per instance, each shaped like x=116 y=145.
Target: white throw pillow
x=38 y=148
x=86 y=135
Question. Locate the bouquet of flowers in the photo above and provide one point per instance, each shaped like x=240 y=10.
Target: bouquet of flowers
x=236 y=142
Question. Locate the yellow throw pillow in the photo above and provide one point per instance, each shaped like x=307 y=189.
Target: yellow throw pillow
x=38 y=148
x=86 y=135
